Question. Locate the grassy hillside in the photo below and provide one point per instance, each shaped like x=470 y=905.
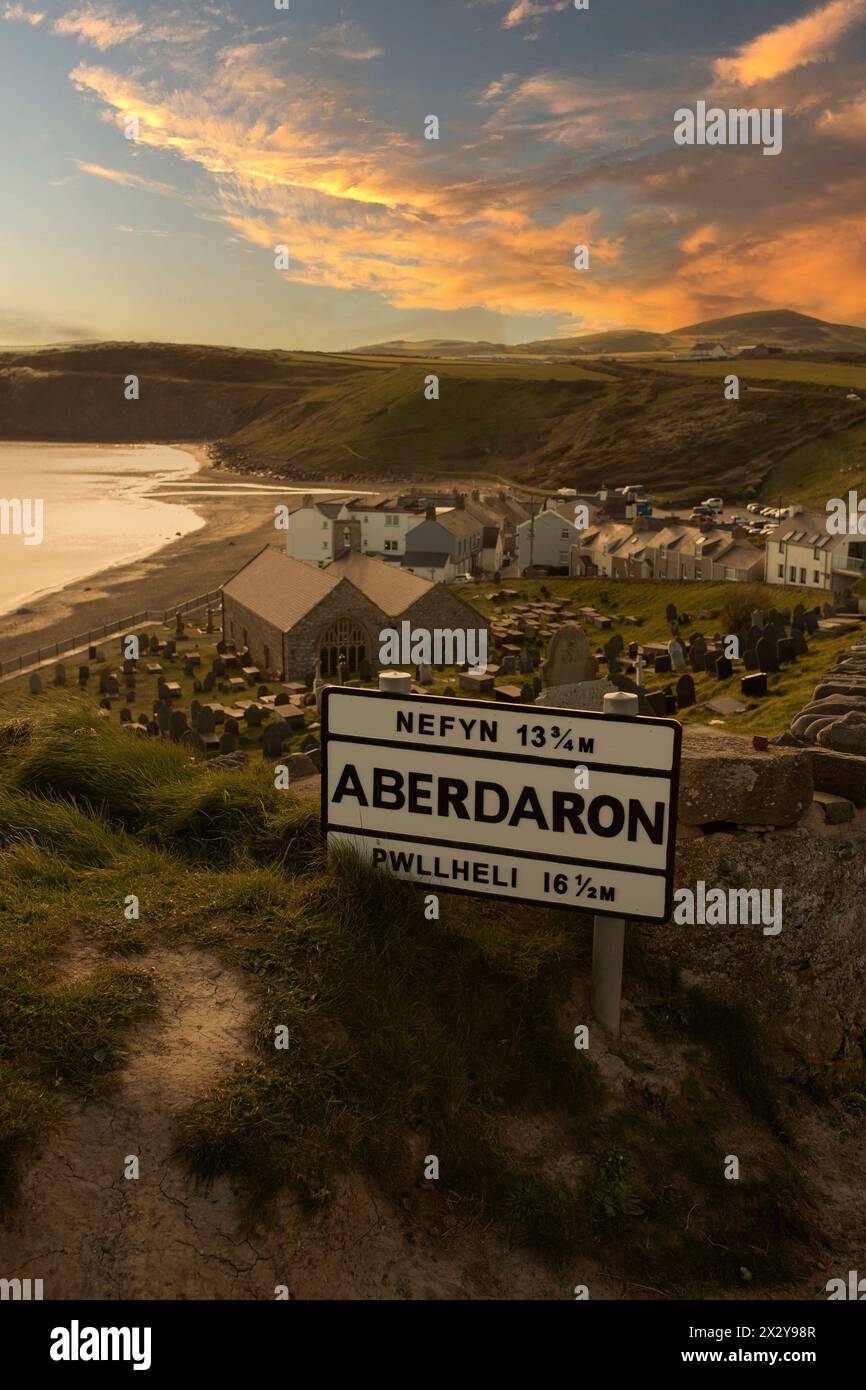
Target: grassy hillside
x=309 y=415
x=408 y=1036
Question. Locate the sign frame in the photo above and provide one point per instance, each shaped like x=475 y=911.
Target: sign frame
x=575 y=759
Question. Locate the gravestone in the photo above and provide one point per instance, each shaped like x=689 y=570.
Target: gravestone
x=698 y=652
x=509 y=665
x=799 y=645
x=569 y=659
x=710 y=660
x=767 y=654
x=177 y=725
x=153 y=729
x=189 y=668
x=685 y=691
x=786 y=616
x=163 y=715
x=209 y=682
x=282 y=699
x=128 y=666
x=194 y=712
x=233 y=727
x=799 y=618
x=671 y=612
x=527 y=694
x=143 y=720
x=811 y=623
x=228 y=743
x=83 y=676
x=657 y=701
x=198 y=686
x=273 y=738
x=105 y=703
x=35 y=683
x=750 y=659
x=536 y=685
x=178 y=623
x=154 y=646
x=724 y=668
x=253 y=717
x=425 y=673
x=365 y=669
x=677 y=656
x=206 y=721
x=757 y=618
x=113 y=685
x=171 y=648
x=209 y=627
x=524 y=663
x=755 y=684
x=662 y=664
x=60 y=674
x=126 y=716
x=103 y=682
x=632 y=650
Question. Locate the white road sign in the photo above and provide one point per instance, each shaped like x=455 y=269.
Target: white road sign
x=562 y=807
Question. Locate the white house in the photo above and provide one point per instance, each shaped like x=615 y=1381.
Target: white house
x=384 y=526
x=802 y=551
x=445 y=544
x=319 y=532
x=546 y=539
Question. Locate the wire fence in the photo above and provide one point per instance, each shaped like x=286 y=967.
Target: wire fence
x=54 y=650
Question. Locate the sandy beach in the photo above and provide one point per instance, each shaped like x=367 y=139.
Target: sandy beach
x=236 y=527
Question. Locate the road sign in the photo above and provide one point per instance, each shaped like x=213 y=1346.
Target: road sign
x=556 y=806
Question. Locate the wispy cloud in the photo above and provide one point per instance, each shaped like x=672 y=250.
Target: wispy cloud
x=18 y=14
x=347 y=42
x=526 y=11
x=809 y=39
x=125 y=179
x=100 y=25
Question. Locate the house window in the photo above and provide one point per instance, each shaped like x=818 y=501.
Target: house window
x=781 y=571
x=390 y=545
x=816 y=577
x=564 y=534
x=730 y=573
x=324 y=525
x=324 y=545
x=802 y=576
x=698 y=572
x=792 y=574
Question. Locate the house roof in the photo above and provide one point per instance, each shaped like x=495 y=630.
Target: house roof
x=278 y=588
x=458 y=522
x=809 y=529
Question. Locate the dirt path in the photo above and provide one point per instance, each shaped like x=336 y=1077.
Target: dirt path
x=89 y=1232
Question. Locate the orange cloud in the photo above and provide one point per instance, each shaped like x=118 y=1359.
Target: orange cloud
x=99 y=25
x=805 y=40
x=17 y=13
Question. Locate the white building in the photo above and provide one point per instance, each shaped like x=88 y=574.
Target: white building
x=546 y=539
x=384 y=526
x=318 y=532
x=802 y=551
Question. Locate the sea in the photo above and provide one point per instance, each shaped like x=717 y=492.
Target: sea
x=68 y=511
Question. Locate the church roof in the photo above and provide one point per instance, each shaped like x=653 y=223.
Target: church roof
x=283 y=590
x=278 y=588
x=388 y=586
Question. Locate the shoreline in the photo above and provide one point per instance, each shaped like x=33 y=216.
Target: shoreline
x=236 y=527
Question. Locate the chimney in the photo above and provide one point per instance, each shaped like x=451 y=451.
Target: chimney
x=460 y=502
x=640 y=523
x=476 y=495
x=430 y=514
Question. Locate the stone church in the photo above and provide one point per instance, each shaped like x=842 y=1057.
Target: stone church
x=291 y=614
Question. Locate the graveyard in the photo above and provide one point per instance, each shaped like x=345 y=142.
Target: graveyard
x=184 y=688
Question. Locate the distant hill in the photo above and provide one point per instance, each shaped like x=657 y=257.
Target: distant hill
x=774 y=327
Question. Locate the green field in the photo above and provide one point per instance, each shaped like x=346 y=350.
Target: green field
x=817 y=373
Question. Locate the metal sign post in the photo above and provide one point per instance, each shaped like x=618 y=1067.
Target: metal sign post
x=608 y=933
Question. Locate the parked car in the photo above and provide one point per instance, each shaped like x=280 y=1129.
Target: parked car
x=753 y=506
x=715 y=502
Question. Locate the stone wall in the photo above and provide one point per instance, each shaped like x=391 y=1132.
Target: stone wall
x=755 y=819
x=260 y=633
x=302 y=643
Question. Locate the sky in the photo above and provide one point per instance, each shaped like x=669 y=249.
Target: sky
x=304 y=127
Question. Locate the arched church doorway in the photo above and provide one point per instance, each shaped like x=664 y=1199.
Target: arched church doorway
x=347 y=639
